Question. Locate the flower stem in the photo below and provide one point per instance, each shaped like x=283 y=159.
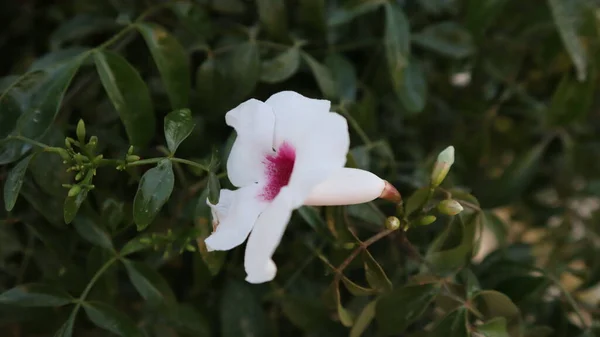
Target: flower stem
x=191 y=163
x=30 y=141
x=362 y=247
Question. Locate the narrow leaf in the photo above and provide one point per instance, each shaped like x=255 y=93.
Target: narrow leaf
x=241 y=313
x=13 y=183
x=281 y=67
x=323 y=76
x=178 y=126
x=375 y=274
x=272 y=15
x=108 y=318
x=172 y=62
x=35 y=295
x=129 y=95
x=344 y=76
x=396 y=311
x=565 y=18
x=149 y=283
x=88 y=230
x=363 y=320
x=72 y=205
x=66 y=330
x=153 y=192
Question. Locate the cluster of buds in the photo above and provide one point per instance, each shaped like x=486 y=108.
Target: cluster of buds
x=84 y=164
x=129 y=158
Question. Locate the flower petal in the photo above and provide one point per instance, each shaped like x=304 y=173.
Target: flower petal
x=346 y=186
x=254 y=123
x=319 y=137
x=237 y=212
x=265 y=238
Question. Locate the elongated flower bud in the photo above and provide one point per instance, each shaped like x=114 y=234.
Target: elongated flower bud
x=442 y=166
x=450 y=207
x=80 y=131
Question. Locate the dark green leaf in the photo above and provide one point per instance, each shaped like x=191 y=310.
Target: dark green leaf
x=397 y=43
x=66 y=330
x=323 y=75
x=149 y=283
x=35 y=295
x=153 y=192
x=492 y=222
x=72 y=205
x=571 y=100
x=345 y=316
x=10 y=110
x=88 y=230
x=346 y=14
x=243 y=64
x=344 y=76
x=241 y=313
x=495 y=304
x=272 y=15
x=134 y=245
x=189 y=321
x=446 y=38
x=112 y=213
x=357 y=290
x=480 y=15
x=80 y=26
x=172 y=62
x=494 y=328
x=565 y=18
x=315 y=221
x=281 y=67
x=305 y=313
x=375 y=274
x=363 y=320
x=108 y=318
x=13 y=183
x=398 y=309
x=453 y=324
x=129 y=95
x=449 y=260
x=178 y=126
x=58 y=57
x=416 y=201
x=211 y=83
x=412 y=91
x=46 y=100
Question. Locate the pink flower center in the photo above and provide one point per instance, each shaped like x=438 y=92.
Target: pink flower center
x=278 y=168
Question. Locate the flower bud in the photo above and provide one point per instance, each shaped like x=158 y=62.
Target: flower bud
x=450 y=207
x=392 y=223
x=442 y=166
x=132 y=157
x=427 y=220
x=74 y=191
x=64 y=154
x=80 y=131
x=93 y=142
x=130 y=150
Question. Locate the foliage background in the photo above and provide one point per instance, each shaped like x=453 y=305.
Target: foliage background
x=511 y=84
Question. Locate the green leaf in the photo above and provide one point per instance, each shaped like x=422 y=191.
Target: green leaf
x=80 y=26
x=357 y=290
x=347 y=13
x=453 y=324
x=153 y=192
x=375 y=274
x=35 y=295
x=446 y=38
x=494 y=328
x=480 y=15
x=240 y=311
x=243 y=64
x=412 y=91
x=149 y=283
x=449 y=260
x=272 y=16
x=13 y=183
x=108 y=318
x=57 y=57
x=281 y=67
x=46 y=100
x=363 y=320
x=134 y=245
x=211 y=84
x=10 y=111
x=88 y=230
x=129 y=95
x=323 y=76
x=398 y=309
x=496 y=225
x=495 y=304
x=66 y=330
x=178 y=126
x=346 y=317
x=416 y=201
x=315 y=221
x=571 y=100
x=566 y=17
x=112 y=213
x=172 y=62
x=397 y=43
x=307 y=314
x=344 y=76
x=72 y=205
x=185 y=318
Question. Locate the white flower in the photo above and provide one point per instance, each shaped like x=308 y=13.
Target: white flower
x=289 y=151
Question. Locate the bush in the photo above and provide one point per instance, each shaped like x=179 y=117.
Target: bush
x=113 y=137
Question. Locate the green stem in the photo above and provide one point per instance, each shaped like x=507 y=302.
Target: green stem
x=191 y=163
x=32 y=142
x=146 y=161
x=93 y=281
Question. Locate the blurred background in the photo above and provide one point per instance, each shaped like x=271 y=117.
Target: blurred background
x=512 y=85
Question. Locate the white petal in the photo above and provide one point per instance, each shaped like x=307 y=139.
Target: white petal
x=319 y=137
x=254 y=123
x=346 y=186
x=265 y=238
x=237 y=212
